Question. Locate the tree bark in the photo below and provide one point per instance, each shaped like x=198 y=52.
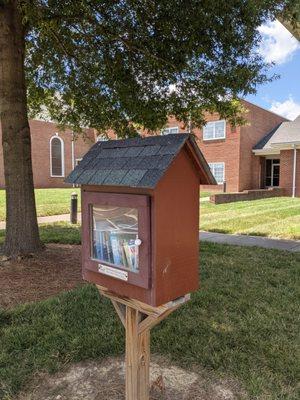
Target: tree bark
x=22 y=235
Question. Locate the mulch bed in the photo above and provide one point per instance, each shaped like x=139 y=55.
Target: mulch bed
x=45 y=274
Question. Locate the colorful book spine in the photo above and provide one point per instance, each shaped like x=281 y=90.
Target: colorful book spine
x=115 y=247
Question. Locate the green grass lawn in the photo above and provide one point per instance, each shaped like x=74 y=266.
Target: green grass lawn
x=48 y=201
x=274 y=217
x=242 y=324
x=204 y=194
x=58 y=232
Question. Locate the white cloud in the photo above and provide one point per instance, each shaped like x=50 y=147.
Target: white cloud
x=278 y=44
x=288 y=108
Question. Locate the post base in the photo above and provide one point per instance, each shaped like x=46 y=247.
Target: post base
x=138 y=319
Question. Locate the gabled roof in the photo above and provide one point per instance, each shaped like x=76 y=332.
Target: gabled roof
x=286 y=133
x=137 y=162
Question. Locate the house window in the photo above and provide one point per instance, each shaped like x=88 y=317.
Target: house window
x=170 y=130
x=77 y=161
x=218 y=171
x=57 y=161
x=102 y=138
x=214 y=130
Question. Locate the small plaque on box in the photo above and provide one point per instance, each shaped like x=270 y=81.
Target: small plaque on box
x=119 y=274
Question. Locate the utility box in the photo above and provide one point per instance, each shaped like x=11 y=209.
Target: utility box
x=140 y=216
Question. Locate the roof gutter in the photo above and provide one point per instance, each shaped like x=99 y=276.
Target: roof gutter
x=286 y=144
x=276 y=147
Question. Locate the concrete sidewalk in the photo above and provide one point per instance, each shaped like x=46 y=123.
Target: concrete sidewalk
x=214 y=237
x=49 y=219
x=243 y=240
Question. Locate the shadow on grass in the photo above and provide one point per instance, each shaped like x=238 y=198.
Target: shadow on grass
x=57 y=232
x=234 y=326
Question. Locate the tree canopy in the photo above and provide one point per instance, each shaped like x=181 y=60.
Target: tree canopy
x=120 y=65
x=104 y=63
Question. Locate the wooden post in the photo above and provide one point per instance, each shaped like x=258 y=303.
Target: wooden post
x=138 y=319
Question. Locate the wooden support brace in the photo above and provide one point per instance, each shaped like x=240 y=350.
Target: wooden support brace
x=138 y=319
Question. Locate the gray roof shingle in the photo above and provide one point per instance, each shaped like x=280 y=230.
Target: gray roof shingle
x=285 y=133
x=137 y=162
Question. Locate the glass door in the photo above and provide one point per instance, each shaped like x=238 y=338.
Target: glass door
x=276 y=174
x=272 y=172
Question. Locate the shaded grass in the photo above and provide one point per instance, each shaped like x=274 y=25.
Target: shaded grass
x=57 y=232
x=274 y=217
x=48 y=201
x=243 y=323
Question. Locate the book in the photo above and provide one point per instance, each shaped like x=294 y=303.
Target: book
x=115 y=247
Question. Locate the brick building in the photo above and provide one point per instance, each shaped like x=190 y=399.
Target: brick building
x=279 y=156
x=263 y=153
x=54 y=153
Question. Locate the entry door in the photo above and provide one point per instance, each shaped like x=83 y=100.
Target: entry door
x=272 y=172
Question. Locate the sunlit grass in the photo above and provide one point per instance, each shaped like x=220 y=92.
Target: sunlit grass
x=48 y=201
x=274 y=217
x=243 y=323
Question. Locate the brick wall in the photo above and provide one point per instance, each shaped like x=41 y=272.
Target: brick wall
x=247 y=195
x=243 y=169
x=286 y=171
x=260 y=123
x=221 y=150
x=41 y=133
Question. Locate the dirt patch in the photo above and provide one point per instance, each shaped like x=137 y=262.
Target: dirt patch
x=43 y=275
x=105 y=381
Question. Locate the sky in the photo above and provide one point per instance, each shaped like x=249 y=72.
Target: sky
x=281 y=96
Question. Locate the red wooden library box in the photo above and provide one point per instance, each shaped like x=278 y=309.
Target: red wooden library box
x=140 y=215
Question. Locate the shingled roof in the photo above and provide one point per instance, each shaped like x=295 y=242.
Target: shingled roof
x=286 y=133
x=137 y=162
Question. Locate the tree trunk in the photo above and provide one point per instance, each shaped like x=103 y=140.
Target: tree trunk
x=22 y=235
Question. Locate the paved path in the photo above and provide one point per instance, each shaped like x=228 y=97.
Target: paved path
x=49 y=219
x=243 y=240
x=238 y=240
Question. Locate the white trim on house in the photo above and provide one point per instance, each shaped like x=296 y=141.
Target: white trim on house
x=269 y=152
x=212 y=167
x=56 y=136
x=213 y=124
x=73 y=151
x=276 y=148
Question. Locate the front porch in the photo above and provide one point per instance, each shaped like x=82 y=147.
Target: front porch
x=279 y=156
x=280 y=170
x=269 y=171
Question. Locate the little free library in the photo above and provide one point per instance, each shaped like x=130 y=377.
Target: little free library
x=140 y=233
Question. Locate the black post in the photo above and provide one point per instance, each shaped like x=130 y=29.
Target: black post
x=74 y=207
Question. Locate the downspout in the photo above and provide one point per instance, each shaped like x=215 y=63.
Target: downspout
x=294 y=170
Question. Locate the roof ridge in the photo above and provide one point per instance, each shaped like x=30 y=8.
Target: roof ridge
x=135 y=162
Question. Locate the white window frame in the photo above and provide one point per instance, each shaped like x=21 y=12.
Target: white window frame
x=77 y=161
x=212 y=166
x=102 y=138
x=167 y=131
x=62 y=156
x=213 y=123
